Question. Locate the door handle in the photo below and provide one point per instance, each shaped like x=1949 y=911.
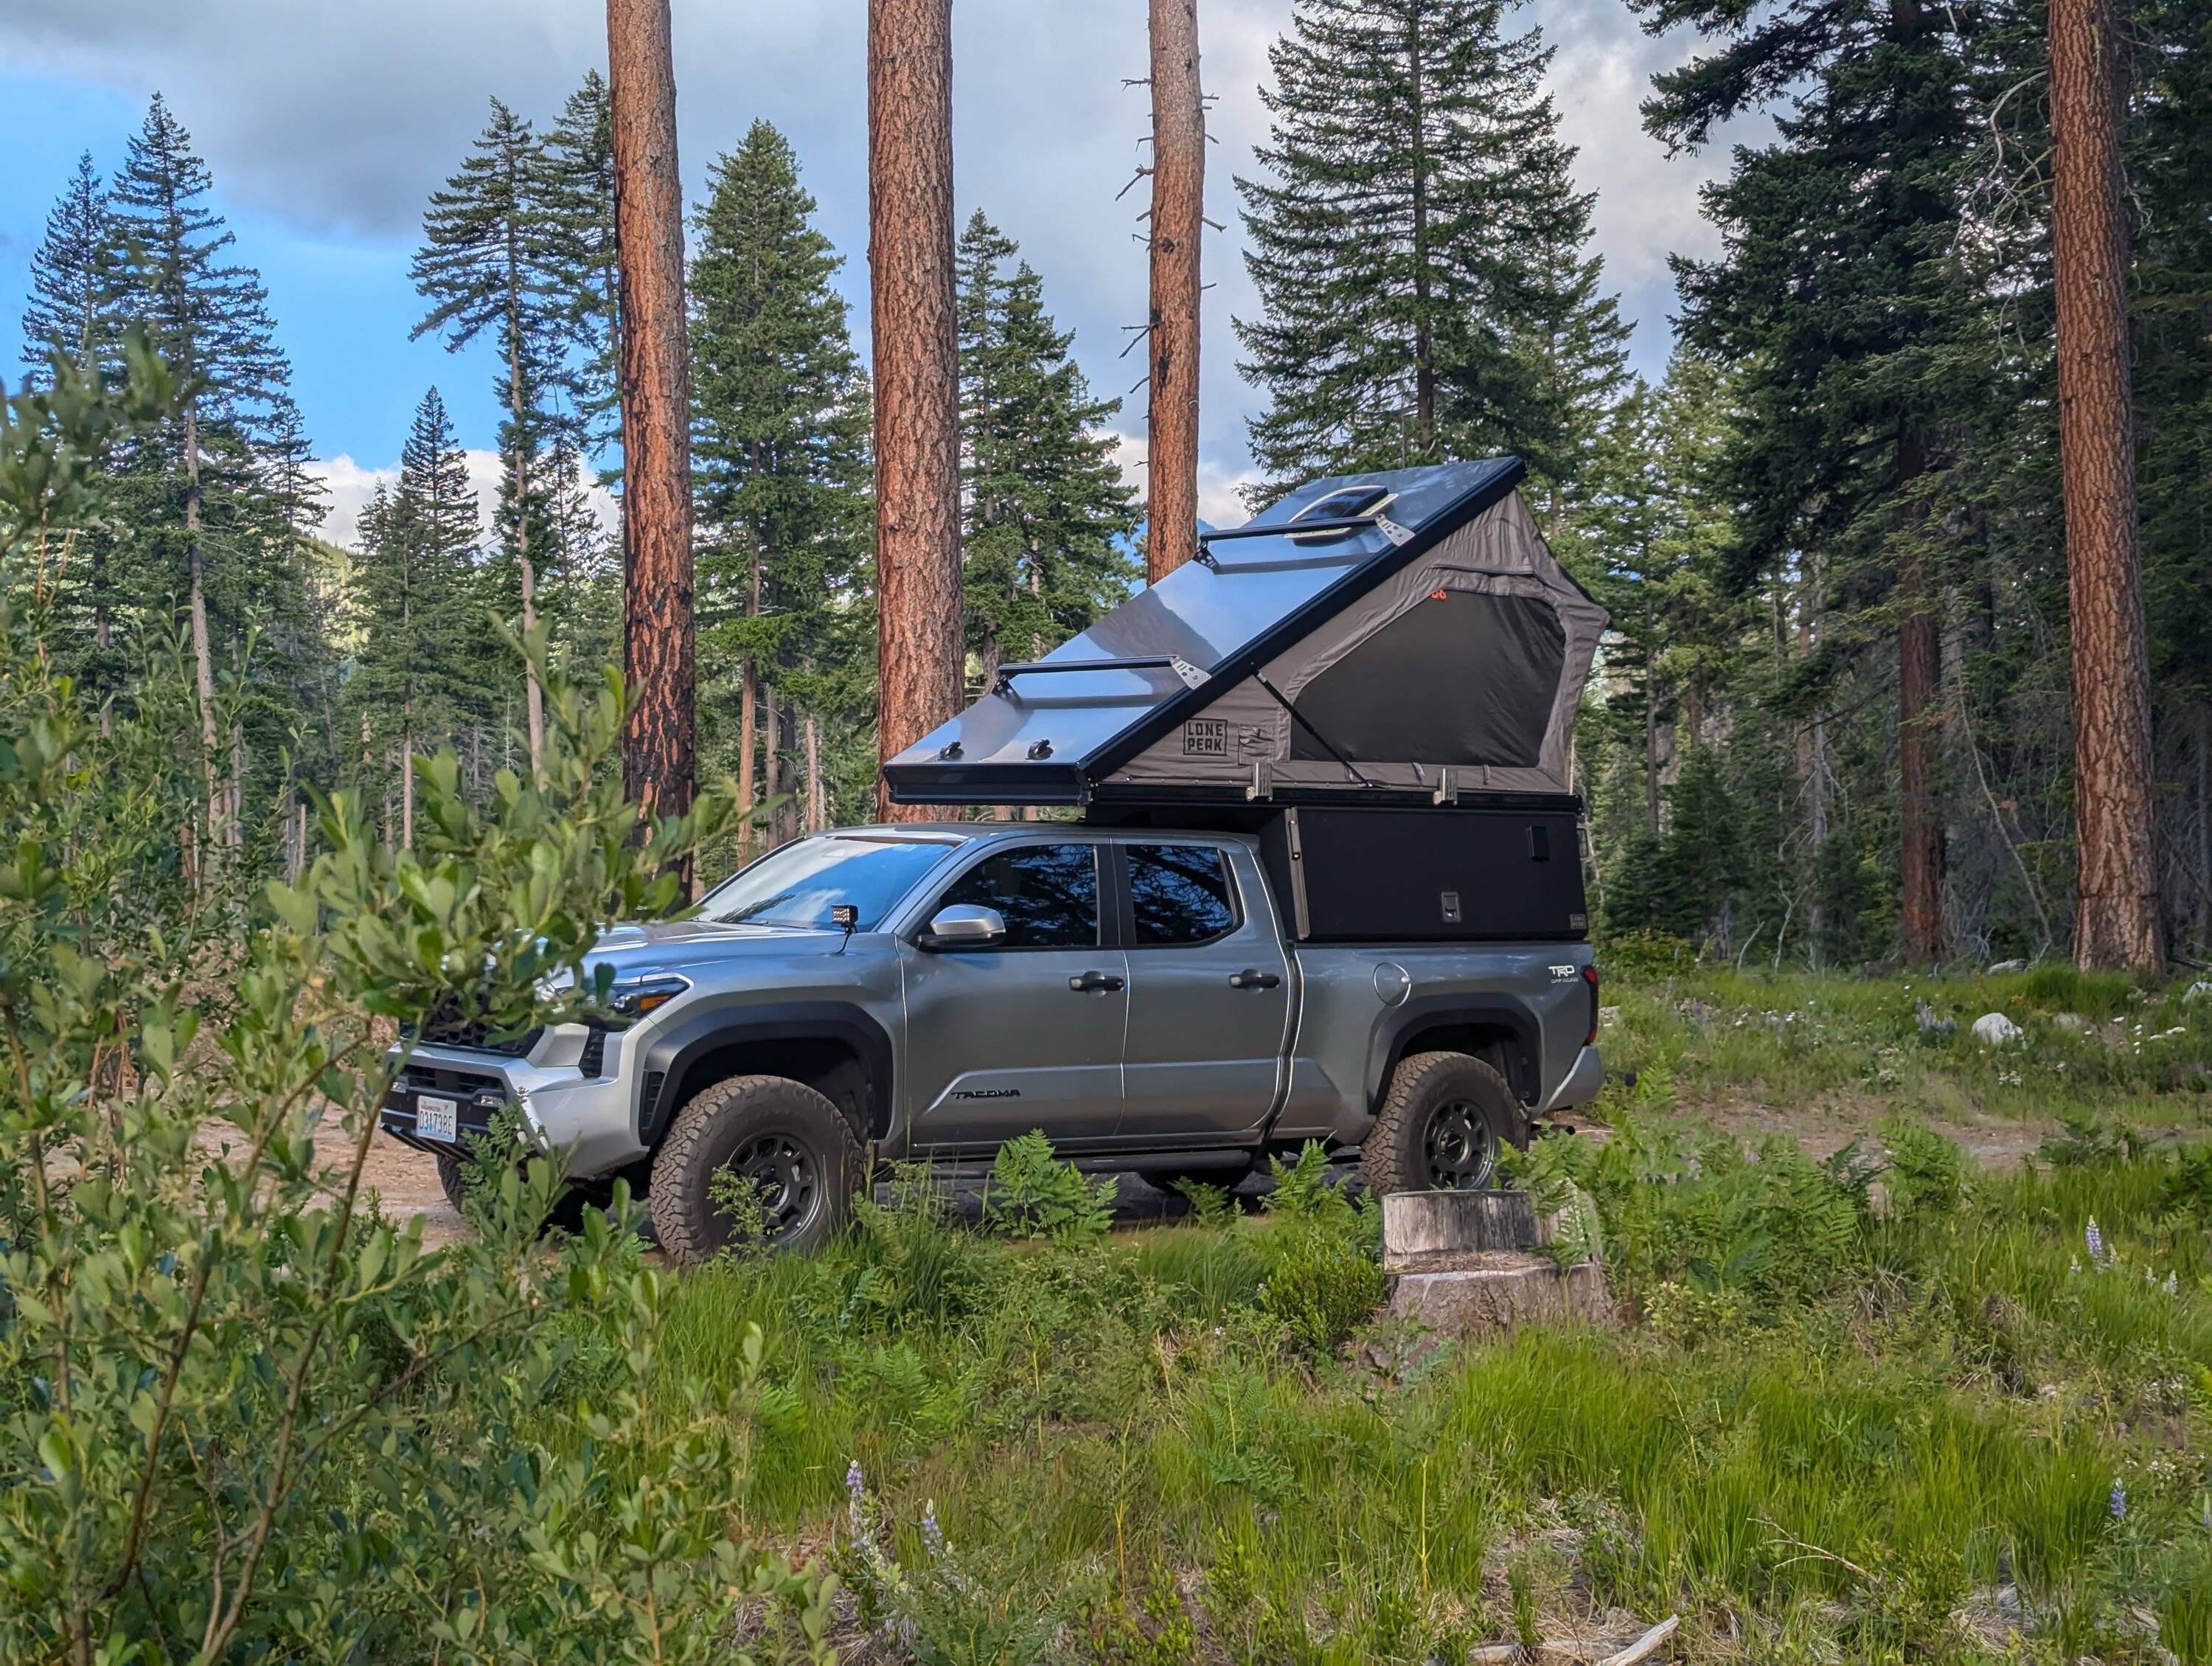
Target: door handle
x=1253 y=978
x=1085 y=982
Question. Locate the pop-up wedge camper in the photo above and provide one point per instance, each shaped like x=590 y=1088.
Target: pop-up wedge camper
x=1325 y=886
x=1396 y=637
x=1338 y=676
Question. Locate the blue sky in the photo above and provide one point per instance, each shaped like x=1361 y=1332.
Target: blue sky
x=326 y=124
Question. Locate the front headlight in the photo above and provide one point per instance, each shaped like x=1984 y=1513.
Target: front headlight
x=644 y=992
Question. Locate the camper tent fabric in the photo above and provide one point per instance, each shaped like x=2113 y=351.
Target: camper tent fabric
x=1443 y=636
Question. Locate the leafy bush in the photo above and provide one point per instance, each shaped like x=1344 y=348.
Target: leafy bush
x=1323 y=1279
x=247 y=1417
x=1645 y=956
x=1033 y=1195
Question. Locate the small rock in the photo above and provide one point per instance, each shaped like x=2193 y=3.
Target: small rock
x=2073 y=1023
x=2008 y=966
x=1995 y=1030
x=2199 y=990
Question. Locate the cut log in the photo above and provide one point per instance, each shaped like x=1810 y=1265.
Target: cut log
x=1418 y=1226
x=1493 y=1290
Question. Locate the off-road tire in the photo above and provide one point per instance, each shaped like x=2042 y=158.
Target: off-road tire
x=723 y=1122
x=1425 y=1087
x=453 y=1180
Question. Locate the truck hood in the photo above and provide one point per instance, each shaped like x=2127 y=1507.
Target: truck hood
x=673 y=945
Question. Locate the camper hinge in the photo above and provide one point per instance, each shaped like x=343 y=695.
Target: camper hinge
x=1447 y=786
x=1263 y=780
x=1391 y=530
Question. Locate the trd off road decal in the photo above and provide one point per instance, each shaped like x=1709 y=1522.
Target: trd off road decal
x=1205 y=736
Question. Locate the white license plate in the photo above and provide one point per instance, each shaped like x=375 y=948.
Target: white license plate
x=436 y=1118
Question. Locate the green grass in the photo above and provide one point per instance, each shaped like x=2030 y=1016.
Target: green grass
x=1794 y=1040
x=1870 y=1408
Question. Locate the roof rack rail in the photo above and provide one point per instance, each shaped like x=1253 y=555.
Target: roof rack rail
x=1192 y=676
x=1292 y=528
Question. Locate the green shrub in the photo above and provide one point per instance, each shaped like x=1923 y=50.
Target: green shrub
x=1645 y=956
x=1033 y=1195
x=249 y=1418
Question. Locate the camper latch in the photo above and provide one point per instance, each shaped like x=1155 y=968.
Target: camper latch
x=1447 y=786
x=1263 y=780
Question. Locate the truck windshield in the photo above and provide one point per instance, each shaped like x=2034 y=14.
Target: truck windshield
x=799 y=884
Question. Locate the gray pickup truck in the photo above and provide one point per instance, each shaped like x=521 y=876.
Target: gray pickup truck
x=1327 y=884
x=1132 y=993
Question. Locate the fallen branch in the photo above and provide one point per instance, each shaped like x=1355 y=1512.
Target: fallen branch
x=1515 y=1654
x=1646 y=1645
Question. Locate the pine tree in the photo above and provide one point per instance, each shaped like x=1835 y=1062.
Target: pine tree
x=1839 y=288
x=1047 y=518
x=779 y=442
x=1413 y=228
x=489 y=260
x=212 y=495
x=72 y=282
x=70 y=315
x=415 y=599
x=576 y=192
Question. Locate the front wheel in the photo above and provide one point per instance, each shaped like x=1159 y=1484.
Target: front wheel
x=761 y=1158
x=1442 y=1123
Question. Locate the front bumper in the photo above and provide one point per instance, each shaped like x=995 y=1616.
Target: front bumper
x=1579 y=1087
x=590 y=1119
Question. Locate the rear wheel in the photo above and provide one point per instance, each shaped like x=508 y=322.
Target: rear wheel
x=788 y=1162
x=1442 y=1123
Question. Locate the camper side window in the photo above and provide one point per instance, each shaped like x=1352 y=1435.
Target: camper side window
x=1179 y=894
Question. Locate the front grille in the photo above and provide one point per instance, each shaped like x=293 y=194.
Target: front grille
x=477 y=1035
x=421 y=1077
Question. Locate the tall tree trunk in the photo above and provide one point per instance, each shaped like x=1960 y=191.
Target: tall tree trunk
x=771 y=732
x=748 y=706
x=1424 y=355
x=917 y=421
x=1178 y=217
x=658 y=750
x=202 y=651
x=2116 y=916
x=818 y=801
x=534 y=697
x=1919 y=715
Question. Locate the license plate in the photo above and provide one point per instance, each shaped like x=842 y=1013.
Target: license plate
x=436 y=1118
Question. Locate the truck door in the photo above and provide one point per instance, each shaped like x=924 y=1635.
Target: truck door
x=1027 y=1032
x=1209 y=996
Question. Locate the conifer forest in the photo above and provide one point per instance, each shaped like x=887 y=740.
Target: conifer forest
x=1831 y=536
x=744 y=469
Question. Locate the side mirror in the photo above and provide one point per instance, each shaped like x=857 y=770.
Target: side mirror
x=963 y=926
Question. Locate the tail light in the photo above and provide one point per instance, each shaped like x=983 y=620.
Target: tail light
x=1589 y=977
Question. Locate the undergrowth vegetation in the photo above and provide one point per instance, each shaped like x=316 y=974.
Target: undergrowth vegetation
x=1877 y=1407
x=2092 y=1042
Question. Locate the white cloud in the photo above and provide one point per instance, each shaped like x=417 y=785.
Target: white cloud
x=338 y=119
x=1220 y=502
x=348 y=487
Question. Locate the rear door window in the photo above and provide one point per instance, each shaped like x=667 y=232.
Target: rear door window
x=1179 y=894
x=1047 y=893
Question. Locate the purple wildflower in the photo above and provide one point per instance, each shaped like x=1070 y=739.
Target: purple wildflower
x=933 y=1535
x=856 y=1503
x=2096 y=1242
x=2119 y=1500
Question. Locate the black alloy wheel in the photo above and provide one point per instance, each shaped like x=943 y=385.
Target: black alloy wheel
x=787 y=1178
x=1459 y=1146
